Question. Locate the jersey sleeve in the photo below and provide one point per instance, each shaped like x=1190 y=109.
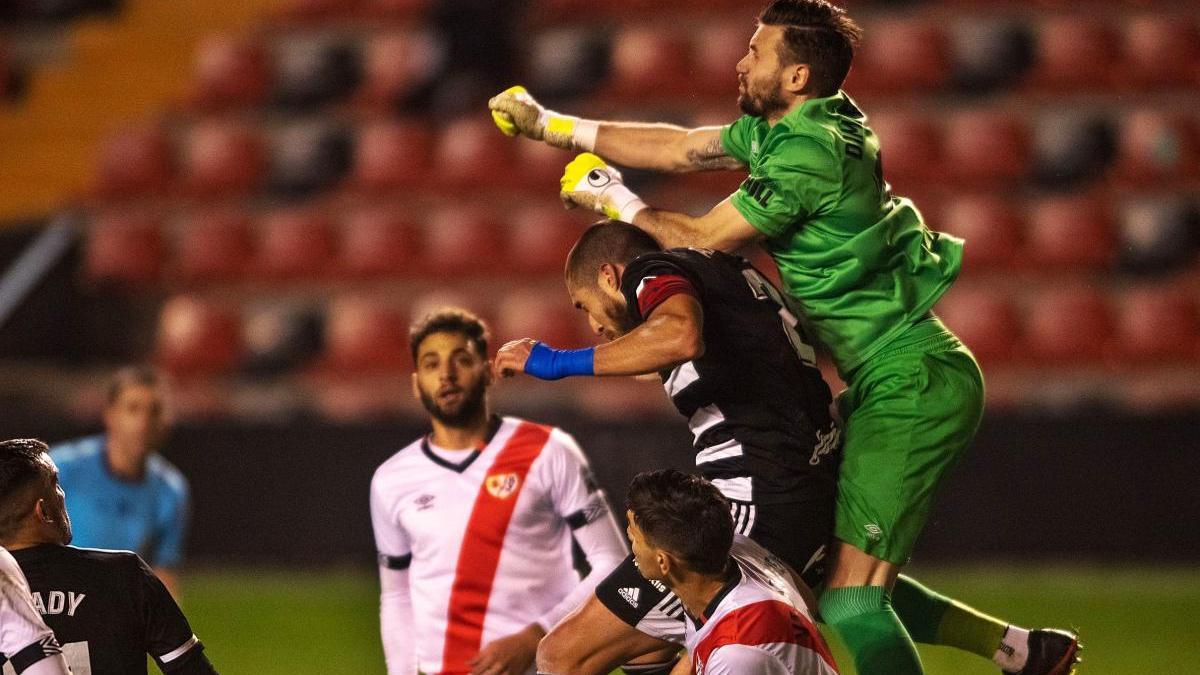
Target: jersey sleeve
x=172 y=528
x=735 y=138
x=797 y=180
x=168 y=636
x=391 y=542
x=25 y=640
x=650 y=279
x=740 y=659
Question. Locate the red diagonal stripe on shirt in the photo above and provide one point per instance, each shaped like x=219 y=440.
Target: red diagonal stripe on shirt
x=760 y=623
x=482 y=543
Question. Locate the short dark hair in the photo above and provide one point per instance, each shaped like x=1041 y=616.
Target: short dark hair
x=683 y=514
x=21 y=468
x=608 y=241
x=449 y=320
x=141 y=374
x=817 y=34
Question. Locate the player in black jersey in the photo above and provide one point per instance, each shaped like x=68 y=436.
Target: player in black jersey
x=106 y=608
x=737 y=365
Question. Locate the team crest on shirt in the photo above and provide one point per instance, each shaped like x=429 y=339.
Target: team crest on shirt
x=502 y=485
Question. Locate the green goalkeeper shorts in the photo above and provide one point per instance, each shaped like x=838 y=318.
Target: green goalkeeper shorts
x=909 y=413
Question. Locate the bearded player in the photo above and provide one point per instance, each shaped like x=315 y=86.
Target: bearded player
x=865 y=272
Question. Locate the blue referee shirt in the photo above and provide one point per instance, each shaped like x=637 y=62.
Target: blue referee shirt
x=148 y=516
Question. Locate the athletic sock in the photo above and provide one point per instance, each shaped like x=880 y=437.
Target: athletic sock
x=1014 y=650
x=863 y=618
x=932 y=618
x=663 y=668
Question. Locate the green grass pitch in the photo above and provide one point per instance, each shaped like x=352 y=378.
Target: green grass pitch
x=1133 y=620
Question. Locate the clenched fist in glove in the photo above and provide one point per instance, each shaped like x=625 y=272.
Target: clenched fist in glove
x=590 y=182
x=516 y=112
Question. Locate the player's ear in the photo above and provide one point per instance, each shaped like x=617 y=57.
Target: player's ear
x=610 y=278
x=797 y=78
x=43 y=512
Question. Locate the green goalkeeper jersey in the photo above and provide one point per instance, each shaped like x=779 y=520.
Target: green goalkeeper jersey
x=861 y=263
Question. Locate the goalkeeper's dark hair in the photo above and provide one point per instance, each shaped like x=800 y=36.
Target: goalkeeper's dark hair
x=818 y=34
x=685 y=515
x=449 y=320
x=608 y=241
x=23 y=476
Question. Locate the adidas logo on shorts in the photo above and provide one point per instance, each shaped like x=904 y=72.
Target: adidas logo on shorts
x=630 y=595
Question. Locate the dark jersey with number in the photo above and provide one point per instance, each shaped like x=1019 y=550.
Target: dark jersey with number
x=109 y=610
x=756 y=403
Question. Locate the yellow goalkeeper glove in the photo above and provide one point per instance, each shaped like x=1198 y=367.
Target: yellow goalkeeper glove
x=516 y=112
x=590 y=182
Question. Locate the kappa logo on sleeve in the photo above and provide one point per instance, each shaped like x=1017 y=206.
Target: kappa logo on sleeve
x=758 y=189
x=502 y=485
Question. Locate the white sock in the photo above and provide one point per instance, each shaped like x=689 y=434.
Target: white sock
x=1014 y=649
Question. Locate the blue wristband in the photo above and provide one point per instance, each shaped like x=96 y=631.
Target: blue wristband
x=547 y=363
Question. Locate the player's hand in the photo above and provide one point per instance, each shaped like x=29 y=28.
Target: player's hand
x=512 y=655
x=511 y=358
x=515 y=112
x=591 y=183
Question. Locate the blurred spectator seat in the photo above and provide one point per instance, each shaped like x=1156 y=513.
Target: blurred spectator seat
x=125 y=249
x=984 y=147
x=312 y=71
x=391 y=155
x=989 y=54
x=471 y=153
x=567 y=61
x=547 y=317
x=309 y=156
x=1069 y=325
x=309 y=10
x=215 y=246
x=397 y=10
x=1075 y=51
x=648 y=61
x=197 y=336
x=985 y=319
x=278 y=338
x=540 y=238
x=230 y=71
x=295 y=244
x=135 y=161
x=1159 y=323
x=911 y=148
x=1159 y=236
x=461 y=241
x=380 y=242
x=222 y=159
x=398 y=65
x=901 y=55
x=1071 y=232
x=1070 y=148
x=992 y=227
x=1157 y=146
x=363 y=335
x=540 y=165
x=716 y=51
x=1162 y=50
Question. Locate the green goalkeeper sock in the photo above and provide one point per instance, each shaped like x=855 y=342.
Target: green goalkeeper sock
x=932 y=618
x=863 y=617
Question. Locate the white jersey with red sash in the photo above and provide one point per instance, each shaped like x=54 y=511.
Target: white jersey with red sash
x=486 y=541
x=758 y=623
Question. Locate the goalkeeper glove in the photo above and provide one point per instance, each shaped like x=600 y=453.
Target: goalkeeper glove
x=590 y=182
x=516 y=112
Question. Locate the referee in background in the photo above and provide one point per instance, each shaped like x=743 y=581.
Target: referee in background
x=107 y=608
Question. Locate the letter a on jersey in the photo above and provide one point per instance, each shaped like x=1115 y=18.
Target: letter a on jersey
x=502 y=485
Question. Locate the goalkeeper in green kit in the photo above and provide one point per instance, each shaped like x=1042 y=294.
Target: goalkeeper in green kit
x=866 y=271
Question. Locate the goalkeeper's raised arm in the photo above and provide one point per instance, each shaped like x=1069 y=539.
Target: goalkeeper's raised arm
x=658 y=147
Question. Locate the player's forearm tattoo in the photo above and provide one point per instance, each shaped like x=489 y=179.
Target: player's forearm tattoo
x=711 y=156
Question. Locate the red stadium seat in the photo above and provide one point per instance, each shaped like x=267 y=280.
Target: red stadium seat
x=462 y=241
x=985 y=147
x=1157 y=234
x=471 y=152
x=380 y=242
x=319 y=9
x=540 y=165
x=542 y=315
x=716 y=51
x=398 y=10
x=363 y=335
x=196 y=336
x=648 y=62
x=912 y=149
x=216 y=246
x=992 y=227
x=901 y=55
x=1162 y=50
x=392 y=155
x=135 y=161
x=125 y=249
x=1075 y=52
x=1071 y=232
x=1155 y=146
x=985 y=319
x=396 y=65
x=230 y=71
x=1159 y=324
x=220 y=159
x=1069 y=325
x=295 y=244
x=540 y=238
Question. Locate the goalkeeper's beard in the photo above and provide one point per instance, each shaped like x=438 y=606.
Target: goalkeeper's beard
x=761 y=105
x=464 y=413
